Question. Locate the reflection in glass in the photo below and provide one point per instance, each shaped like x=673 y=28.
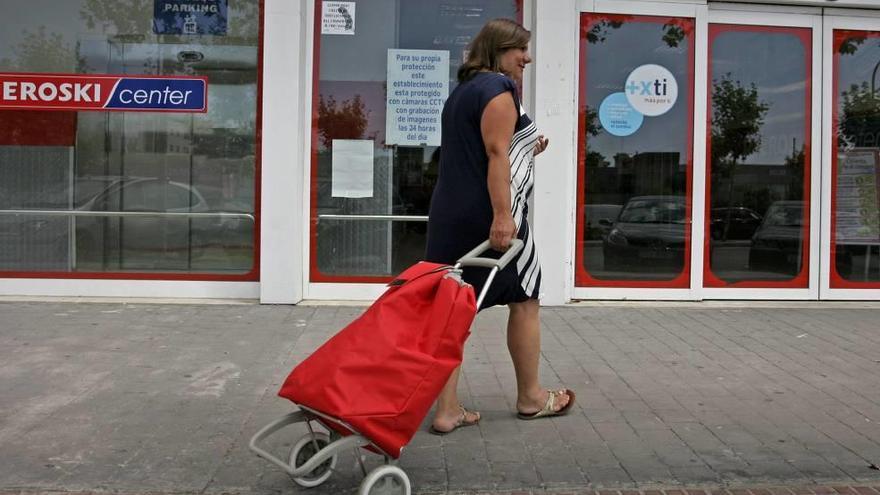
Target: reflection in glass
x=350 y=100
x=194 y=173
x=635 y=212
x=856 y=174
x=757 y=192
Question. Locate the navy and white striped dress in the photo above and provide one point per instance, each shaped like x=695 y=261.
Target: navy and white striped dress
x=461 y=214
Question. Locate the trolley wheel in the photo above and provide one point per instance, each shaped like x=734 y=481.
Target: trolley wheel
x=386 y=480
x=303 y=450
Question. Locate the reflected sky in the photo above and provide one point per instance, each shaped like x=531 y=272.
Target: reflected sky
x=609 y=62
x=776 y=64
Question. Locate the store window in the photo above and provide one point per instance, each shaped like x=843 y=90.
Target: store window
x=383 y=71
x=635 y=153
x=855 y=177
x=758 y=154
x=145 y=194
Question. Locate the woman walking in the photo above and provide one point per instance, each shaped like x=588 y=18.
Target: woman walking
x=485 y=181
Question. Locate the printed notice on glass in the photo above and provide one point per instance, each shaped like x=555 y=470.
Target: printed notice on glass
x=418 y=85
x=858 y=197
x=352 y=175
x=337 y=18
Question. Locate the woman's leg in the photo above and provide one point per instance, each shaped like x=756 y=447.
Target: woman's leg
x=524 y=344
x=448 y=414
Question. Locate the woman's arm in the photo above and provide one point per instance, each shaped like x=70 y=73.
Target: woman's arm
x=497 y=125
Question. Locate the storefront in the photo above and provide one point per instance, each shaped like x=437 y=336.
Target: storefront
x=698 y=150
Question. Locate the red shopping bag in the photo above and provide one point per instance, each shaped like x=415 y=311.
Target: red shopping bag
x=382 y=372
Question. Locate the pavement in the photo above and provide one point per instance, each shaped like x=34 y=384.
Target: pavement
x=673 y=398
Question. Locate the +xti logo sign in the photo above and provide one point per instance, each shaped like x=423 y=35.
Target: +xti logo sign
x=651 y=89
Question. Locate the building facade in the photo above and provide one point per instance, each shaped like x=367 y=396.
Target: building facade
x=286 y=150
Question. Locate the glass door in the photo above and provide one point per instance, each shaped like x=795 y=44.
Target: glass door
x=760 y=219
x=851 y=192
x=635 y=150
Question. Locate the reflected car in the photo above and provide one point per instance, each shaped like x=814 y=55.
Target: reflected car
x=648 y=235
x=778 y=241
x=743 y=223
x=598 y=220
x=134 y=242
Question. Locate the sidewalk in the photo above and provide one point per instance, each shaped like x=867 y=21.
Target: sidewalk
x=141 y=398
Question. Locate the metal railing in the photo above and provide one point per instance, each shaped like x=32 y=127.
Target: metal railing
x=397 y=218
x=82 y=213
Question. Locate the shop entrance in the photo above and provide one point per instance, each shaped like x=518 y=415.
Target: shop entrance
x=708 y=165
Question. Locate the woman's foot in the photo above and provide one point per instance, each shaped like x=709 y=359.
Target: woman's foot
x=448 y=421
x=545 y=403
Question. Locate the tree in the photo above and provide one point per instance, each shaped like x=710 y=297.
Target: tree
x=131 y=17
x=39 y=51
x=795 y=165
x=674 y=32
x=737 y=117
x=859 y=122
x=347 y=120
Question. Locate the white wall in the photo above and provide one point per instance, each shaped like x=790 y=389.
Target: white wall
x=284 y=105
x=555 y=113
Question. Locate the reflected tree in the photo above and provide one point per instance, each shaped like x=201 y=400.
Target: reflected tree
x=132 y=17
x=117 y=17
x=850 y=45
x=794 y=165
x=859 y=122
x=738 y=115
x=598 y=32
x=674 y=31
x=346 y=120
x=41 y=51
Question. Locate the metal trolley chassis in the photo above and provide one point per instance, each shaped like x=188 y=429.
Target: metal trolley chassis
x=314 y=456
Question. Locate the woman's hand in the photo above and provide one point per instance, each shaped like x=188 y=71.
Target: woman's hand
x=502 y=232
x=541 y=145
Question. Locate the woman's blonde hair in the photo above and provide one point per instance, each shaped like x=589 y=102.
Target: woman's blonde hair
x=497 y=36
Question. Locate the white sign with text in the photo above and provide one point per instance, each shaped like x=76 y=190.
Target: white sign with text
x=337 y=18
x=418 y=85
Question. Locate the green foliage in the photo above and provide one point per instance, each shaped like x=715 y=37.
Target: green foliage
x=39 y=51
x=851 y=45
x=738 y=115
x=347 y=120
x=859 y=121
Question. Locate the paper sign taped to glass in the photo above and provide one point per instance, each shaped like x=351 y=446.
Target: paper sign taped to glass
x=857 y=211
x=352 y=163
x=337 y=18
x=418 y=86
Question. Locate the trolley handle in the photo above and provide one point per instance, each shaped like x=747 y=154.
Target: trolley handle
x=472 y=258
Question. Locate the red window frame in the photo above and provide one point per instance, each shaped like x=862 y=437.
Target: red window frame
x=836 y=281
x=582 y=277
x=315 y=274
x=801 y=280
x=254 y=273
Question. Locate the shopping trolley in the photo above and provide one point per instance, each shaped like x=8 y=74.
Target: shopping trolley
x=314 y=456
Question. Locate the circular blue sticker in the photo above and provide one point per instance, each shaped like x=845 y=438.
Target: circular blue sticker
x=618 y=117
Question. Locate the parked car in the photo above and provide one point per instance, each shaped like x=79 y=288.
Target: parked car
x=648 y=235
x=740 y=222
x=778 y=241
x=125 y=242
x=598 y=219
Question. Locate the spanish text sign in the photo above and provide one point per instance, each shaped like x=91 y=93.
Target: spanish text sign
x=190 y=17
x=90 y=92
x=418 y=85
x=858 y=197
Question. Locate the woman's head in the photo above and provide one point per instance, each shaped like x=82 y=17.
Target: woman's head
x=501 y=46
